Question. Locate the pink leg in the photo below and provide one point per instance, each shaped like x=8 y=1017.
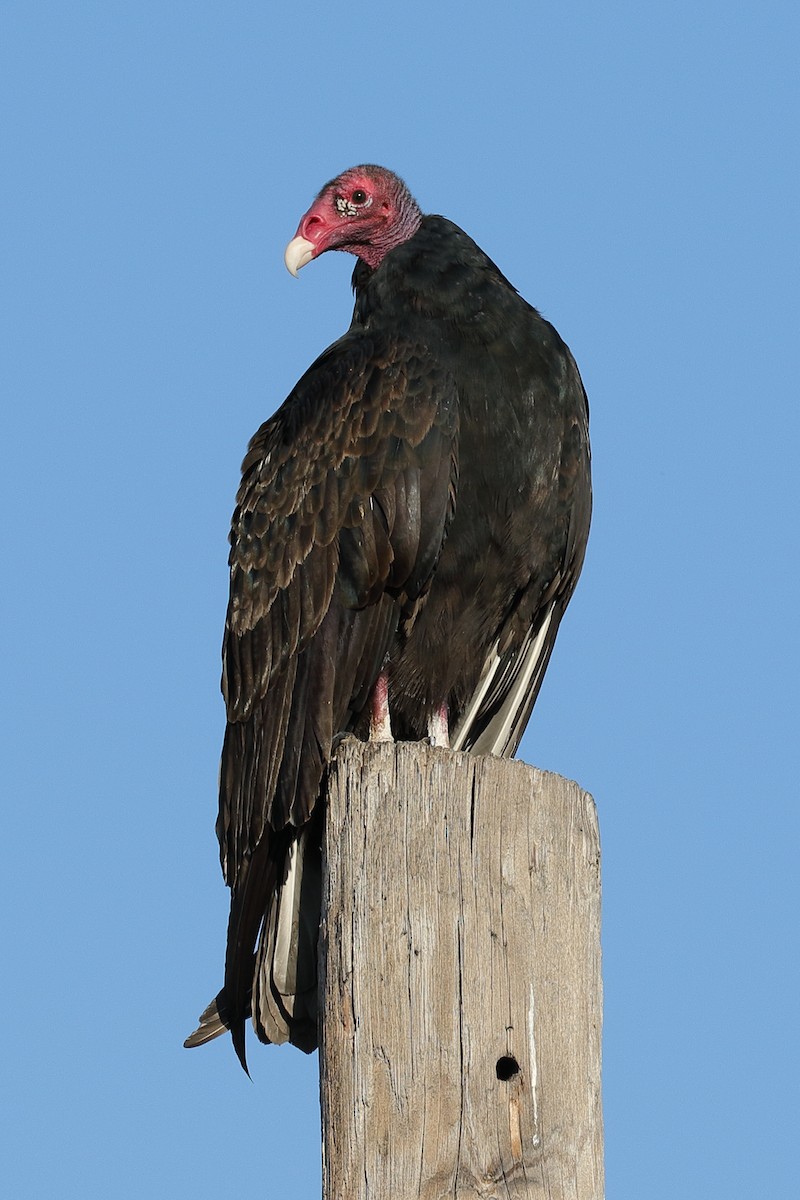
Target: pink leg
x=380 y=725
x=439 y=727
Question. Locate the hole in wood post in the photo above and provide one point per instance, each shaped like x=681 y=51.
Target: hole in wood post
x=507 y=1067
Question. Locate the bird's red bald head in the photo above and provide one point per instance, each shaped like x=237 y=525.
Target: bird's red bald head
x=366 y=211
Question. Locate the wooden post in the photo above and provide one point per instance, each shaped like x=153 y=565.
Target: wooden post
x=461 y=988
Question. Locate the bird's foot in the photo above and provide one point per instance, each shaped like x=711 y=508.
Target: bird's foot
x=380 y=725
x=439 y=728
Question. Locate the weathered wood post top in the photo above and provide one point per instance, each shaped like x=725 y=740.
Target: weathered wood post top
x=461 y=989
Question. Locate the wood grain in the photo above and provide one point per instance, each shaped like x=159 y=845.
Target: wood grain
x=461 y=983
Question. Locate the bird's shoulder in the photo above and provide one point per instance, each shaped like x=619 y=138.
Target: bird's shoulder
x=366 y=397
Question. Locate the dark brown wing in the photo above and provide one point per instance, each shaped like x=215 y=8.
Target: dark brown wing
x=342 y=512
x=330 y=510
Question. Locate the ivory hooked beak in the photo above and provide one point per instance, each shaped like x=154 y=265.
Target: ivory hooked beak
x=299 y=251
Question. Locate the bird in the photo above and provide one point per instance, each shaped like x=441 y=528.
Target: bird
x=410 y=527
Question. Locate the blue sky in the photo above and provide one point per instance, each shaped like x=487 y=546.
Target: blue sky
x=634 y=171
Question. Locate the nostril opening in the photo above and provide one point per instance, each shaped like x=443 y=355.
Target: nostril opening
x=311 y=228
x=507 y=1067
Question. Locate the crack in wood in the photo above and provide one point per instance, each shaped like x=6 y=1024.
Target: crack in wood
x=484 y=922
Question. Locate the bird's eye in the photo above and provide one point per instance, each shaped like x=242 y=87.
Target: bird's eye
x=359 y=196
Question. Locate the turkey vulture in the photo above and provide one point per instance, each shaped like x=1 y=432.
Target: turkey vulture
x=409 y=529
